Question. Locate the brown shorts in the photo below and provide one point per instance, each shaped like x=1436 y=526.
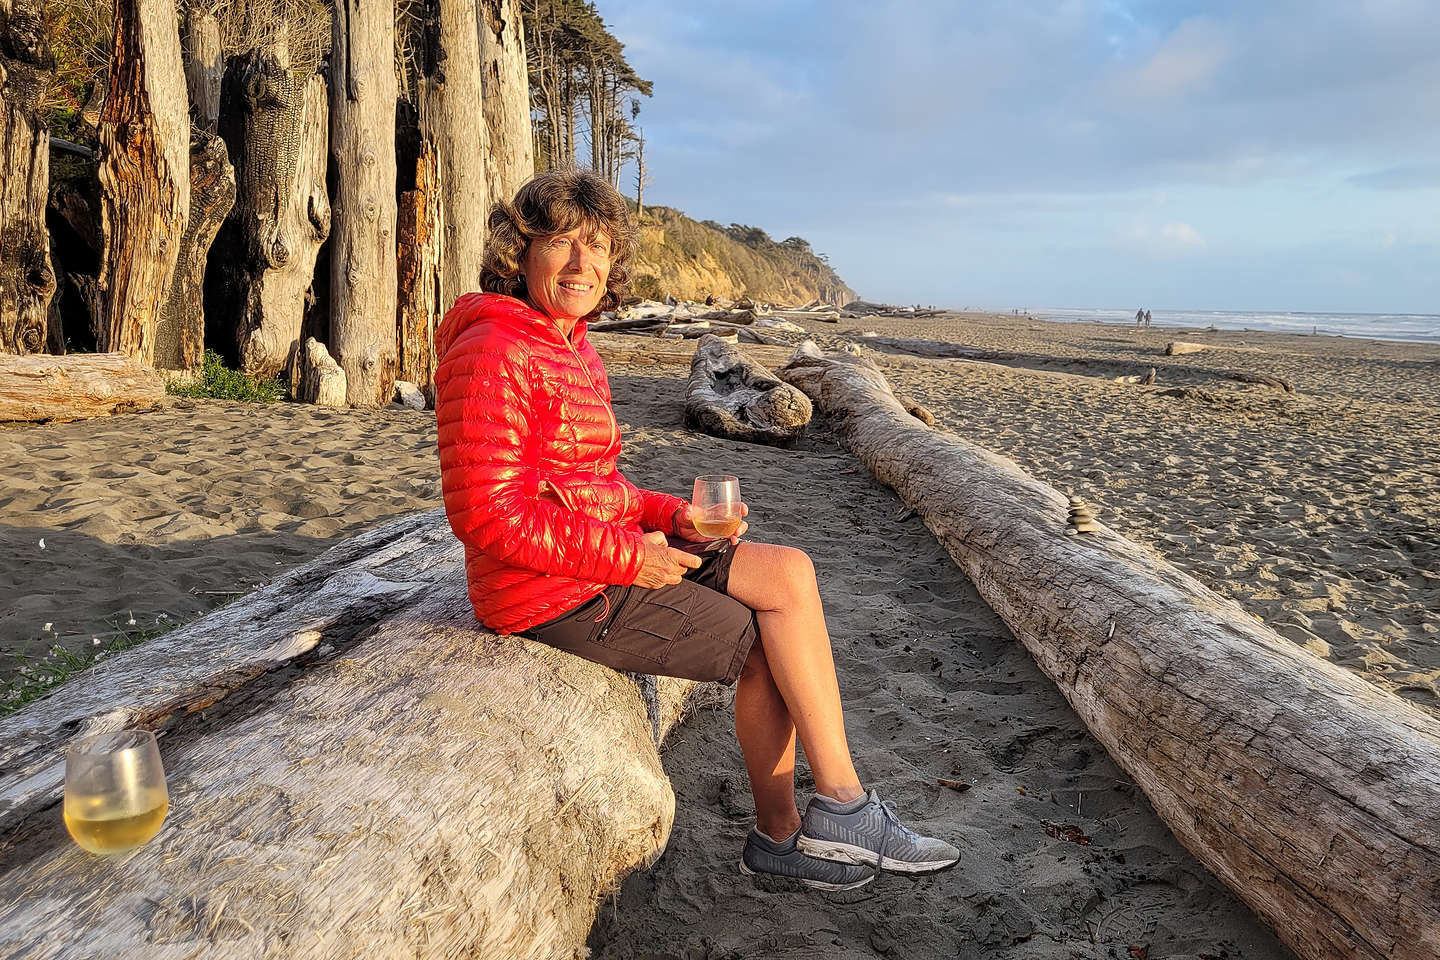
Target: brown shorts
x=692 y=629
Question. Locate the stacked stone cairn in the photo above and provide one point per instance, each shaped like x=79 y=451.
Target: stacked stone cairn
x=1082 y=518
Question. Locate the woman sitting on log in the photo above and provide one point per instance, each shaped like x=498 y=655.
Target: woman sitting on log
x=560 y=547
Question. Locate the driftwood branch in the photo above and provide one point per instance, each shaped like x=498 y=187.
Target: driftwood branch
x=76 y=387
x=1310 y=792
x=732 y=396
x=355 y=769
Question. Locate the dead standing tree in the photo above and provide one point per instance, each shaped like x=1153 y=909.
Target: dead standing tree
x=362 y=141
x=27 y=278
x=276 y=124
x=510 y=160
x=144 y=173
x=453 y=125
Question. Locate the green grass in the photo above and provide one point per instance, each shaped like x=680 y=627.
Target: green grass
x=35 y=678
x=218 y=382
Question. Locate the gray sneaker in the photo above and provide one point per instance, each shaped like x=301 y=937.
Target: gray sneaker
x=872 y=835
x=764 y=856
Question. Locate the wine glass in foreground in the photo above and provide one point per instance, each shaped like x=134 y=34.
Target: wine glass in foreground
x=717 y=503
x=115 y=794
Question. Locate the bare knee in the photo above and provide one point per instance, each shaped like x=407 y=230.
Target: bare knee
x=796 y=573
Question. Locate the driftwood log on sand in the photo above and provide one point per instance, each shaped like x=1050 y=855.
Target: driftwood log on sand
x=732 y=396
x=1310 y=792
x=1178 y=348
x=382 y=778
x=76 y=387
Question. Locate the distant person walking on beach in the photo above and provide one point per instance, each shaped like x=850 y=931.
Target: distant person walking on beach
x=1147 y=319
x=561 y=548
x=1139 y=319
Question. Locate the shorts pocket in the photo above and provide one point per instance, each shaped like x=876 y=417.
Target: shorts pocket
x=648 y=628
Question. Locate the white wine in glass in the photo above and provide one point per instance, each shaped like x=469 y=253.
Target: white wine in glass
x=115 y=794
x=717 y=506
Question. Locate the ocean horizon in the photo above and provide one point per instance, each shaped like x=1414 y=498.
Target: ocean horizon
x=1404 y=327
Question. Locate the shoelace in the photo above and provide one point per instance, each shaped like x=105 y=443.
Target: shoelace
x=889 y=820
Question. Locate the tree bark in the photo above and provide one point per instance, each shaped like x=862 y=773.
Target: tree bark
x=27 y=279
x=380 y=777
x=204 y=68
x=144 y=173
x=510 y=159
x=276 y=126
x=734 y=397
x=1308 y=791
x=180 y=332
x=76 y=387
x=452 y=120
x=362 y=142
x=418 y=264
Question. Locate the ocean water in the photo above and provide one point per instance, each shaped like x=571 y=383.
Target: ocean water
x=1424 y=327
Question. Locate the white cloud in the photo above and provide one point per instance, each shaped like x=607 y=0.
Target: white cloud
x=1168 y=241
x=1187 y=61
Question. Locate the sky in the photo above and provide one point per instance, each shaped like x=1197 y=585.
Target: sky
x=1061 y=153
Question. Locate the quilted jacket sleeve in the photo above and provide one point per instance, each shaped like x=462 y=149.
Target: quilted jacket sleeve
x=489 y=478
x=657 y=510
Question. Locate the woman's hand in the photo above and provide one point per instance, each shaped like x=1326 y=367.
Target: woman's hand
x=685 y=525
x=663 y=563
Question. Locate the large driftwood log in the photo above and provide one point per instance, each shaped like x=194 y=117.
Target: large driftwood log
x=180 y=331
x=276 y=124
x=144 y=173
x=1310 y=792
x=362 y=143
x=379 y=778
x=510 y=156
x=731 y=396
x=76 y=387
x=418 y=265
x=27 y=279
x=317 y=378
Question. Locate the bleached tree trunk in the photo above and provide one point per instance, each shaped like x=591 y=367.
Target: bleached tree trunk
x=277 y=127
x=27 y=279
x=144 y=173
x=510 y=160
x=76 y=387
x=1311 y=793
x=180 y=332
x=419 y=262
x=362 y=143
x=452 y=120
x=380 y=777
x=204 y=68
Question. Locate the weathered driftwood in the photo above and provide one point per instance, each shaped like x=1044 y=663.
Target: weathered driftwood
x=418 y=267
x=505 y=81
x=317 y=377
x=363 y=285
x=76 y=387
x=180 y=330
x=204 y=67
x=144 y=173
x=634 y=323
x=452 y=121
x=731 y=396
x=27 y=279
x=276 y=125
x=1177 y=348
x=355 y=769
x=619 y=348
x=1310 y=792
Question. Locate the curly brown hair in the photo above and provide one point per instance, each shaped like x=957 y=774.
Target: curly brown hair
x=557 y=201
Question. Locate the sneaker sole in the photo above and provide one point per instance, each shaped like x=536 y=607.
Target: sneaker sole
x=849 y=853
x=814 y=884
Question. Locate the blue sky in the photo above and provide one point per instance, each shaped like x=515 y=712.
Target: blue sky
x=1085 y=153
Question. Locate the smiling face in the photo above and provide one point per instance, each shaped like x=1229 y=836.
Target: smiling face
x=565 y=273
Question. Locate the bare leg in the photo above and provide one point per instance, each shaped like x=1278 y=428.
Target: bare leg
x=790 y=687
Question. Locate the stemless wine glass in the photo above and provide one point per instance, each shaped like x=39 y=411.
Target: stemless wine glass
x=717 y=503
x=115 y=794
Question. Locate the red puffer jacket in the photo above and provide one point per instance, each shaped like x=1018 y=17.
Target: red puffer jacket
x=528 y=443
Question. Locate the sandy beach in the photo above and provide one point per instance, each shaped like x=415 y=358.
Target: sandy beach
x=1313 y=509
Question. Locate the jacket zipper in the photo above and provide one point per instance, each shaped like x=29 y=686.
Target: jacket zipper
x=614 y=423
